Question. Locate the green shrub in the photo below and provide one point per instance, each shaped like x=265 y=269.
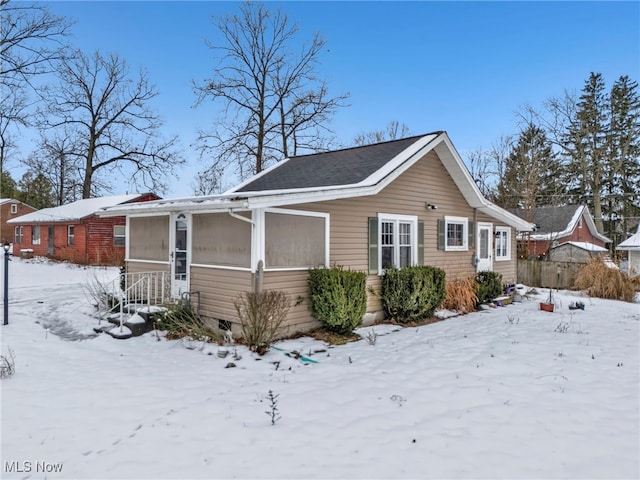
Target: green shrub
x=412 y=293
x=338 y=298
x=261 y=317
x=489 y=286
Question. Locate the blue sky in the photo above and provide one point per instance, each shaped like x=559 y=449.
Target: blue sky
x=463 y=67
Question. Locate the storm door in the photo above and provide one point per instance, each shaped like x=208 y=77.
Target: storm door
x=485 y=247
x=179 y=255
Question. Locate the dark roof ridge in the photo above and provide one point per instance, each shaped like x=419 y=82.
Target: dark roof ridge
x=367 y=145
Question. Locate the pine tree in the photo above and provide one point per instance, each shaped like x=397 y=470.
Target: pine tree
x=623 y=174
x=586 y=143
x=532 y=172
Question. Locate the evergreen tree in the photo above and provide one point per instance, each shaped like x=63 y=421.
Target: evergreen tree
x=586 y=144
x=531 y=173
x=36 y=191
x=623 y=173
x=7 y=186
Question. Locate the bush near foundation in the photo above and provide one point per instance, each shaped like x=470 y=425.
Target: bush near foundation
x=412 y=293
x=261 y=317
x=338 y=298
x=489 y=286
x=461 y=295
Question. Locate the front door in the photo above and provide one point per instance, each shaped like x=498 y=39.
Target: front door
x=484 y=247
x=50 y=232
x=179 y=256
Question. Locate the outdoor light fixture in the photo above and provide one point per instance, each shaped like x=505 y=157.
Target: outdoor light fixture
x=6 y=248
x=431 y=206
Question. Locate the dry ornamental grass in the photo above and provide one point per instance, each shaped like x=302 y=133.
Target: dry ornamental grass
x=461 y=295
x=600 y=281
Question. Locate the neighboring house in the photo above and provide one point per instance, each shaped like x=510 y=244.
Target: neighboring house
x=74 y=233
x=10 y=209
x=632 y=246
x=404 y=202
x=555 y=226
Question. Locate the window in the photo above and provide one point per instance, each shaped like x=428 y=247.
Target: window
x=503 y=243
x=119 y=235
x=35 y=235
x=17 y=234
x=398 y=241
x=456 y=233
x=14 y=208
x=70 y=234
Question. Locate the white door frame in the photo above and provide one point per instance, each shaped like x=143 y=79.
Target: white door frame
x=180 y=253
x=484 y=246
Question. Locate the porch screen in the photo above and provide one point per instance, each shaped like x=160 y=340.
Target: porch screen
x=149 y=238
x=220 y=239
x=294 y=240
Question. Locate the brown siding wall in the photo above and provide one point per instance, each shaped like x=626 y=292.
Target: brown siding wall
x=427 y=181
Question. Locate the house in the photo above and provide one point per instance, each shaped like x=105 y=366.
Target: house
x=74 y=233
x=555 y=225
x=403 y=202
x=11 y=208
x=632 y=246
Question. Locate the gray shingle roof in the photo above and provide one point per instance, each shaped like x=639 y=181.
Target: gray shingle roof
x=339 y=167
x=549 y=219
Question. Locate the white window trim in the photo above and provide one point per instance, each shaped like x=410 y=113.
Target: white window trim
x=69 y=227
x=290 y=211
x=14 y=208
x=18 y=235
x=392 y=217
x=464 y=221
x=124 y=235
x=507 y=231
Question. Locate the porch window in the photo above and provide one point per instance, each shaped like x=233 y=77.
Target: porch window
x=70 y=234
x=503 y=243
x=296 y=239
x=398 y=241
x=456 y=233
x=17 y=234
x=35 y=235
x=119 y=235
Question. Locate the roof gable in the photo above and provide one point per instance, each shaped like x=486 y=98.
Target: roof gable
x=74 y=211
x=554 y=222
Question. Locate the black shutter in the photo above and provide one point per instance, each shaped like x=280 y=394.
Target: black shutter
x=441 y=237
x=373 y=245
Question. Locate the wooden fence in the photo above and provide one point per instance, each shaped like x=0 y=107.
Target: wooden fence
x=540 y=273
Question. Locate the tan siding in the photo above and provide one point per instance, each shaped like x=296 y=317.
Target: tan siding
x=142 y=267
x=218 y=290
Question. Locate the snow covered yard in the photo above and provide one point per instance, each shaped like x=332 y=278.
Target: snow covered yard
x=510 y=392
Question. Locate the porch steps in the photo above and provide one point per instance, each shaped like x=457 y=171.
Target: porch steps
x=138 y=321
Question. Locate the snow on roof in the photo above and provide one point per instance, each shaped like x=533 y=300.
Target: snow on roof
x=585 y=246
x=74 y=211
x=631 y=243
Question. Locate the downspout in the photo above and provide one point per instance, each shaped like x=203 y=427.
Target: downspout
x=257 y=280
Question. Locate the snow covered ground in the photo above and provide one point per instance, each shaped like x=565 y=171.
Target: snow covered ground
x=510 y=392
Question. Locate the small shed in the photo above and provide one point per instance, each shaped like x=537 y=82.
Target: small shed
x=632 y=246
x=577 y=252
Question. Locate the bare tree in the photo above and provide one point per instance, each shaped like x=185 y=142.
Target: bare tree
x=393 y=131
x=487 y=167
x=31 y=38
x=272 y=103
x=104 y=115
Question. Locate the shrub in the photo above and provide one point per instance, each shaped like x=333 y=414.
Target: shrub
x=603 y=282
x=7 y=364
x=412 y=293
x=261 y=317
x=461 y=295
x=181 y=321
x=338 y=297
x=489 y=286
